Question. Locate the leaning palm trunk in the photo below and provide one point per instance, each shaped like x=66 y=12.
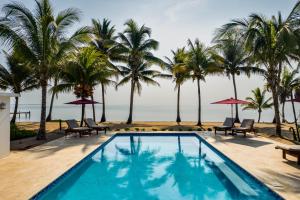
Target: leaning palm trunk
x=259 y=115
x=13 y=119
x=103 y=117
x=283 y=113
x=49 y=117
x=199 y=103
x=237 y=120
x=295 y=119
x=129 y=121
x=42 y=131
x=276 y=108
x=93 y=107
x=178 y=119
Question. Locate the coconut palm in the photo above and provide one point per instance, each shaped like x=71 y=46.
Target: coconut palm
x=136 y=48
x=136 y=76
x=177 y=70
x=271 y=43
x=233 y=59
x=36 y=34
x=17 y=77
x=200 y=64
x=104 y=40
x=81 y=74
x=258 y=102
x=289 y=82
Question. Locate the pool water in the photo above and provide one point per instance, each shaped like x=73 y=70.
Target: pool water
x=148 y=167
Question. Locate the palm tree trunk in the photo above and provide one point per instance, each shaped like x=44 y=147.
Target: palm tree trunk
x=49 y=117
x=93 y=107
x=237 y=119
x=129 y=121
x=42 y=130
x=13 y=119
x=259 y=115
x=199 y=123
x=295 y=117
x=178 y=119
x=283 y=114
x=82 y=114
x=276 y=108
x=103 y=117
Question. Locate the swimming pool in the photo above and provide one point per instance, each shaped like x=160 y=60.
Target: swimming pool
x=156 y=166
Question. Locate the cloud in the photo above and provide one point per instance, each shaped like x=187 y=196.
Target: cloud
x=178 y=6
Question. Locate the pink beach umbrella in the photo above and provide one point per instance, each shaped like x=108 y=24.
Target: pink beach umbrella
x=83 y=102
x=231 y=101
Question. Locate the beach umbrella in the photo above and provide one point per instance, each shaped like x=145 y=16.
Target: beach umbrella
x=231 y=101
x=297 y=100
x=82 y=102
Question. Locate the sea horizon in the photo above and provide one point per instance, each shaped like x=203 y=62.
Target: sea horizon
x=210 y=113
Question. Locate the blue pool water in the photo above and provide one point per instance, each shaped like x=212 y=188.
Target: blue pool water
x=148 y=167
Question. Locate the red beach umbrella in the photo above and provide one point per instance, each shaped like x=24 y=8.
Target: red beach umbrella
x=231 y=101
x=82 y=101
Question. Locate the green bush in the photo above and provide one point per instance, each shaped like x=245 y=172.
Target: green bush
x=136 y=129
x=154 y=129
x=127 y=129
x=143 y=129
x=190 y=129
x=16 y=133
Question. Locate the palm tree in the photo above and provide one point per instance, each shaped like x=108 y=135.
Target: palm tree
x=36 y=34
x=104 y=41
x=177 y=70
x=258 y=102
x=81 y=74
x=17 y=77
x=200 y=63
x=135 y=50
x=136 y=76
x=233 y=59
x=271 y=43
x=288 y=83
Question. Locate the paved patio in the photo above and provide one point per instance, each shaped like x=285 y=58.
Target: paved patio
x=24 y=173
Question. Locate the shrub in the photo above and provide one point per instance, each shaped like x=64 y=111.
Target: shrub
x=154 y=129
x=199 y=129
x=127 y=129
x=190 y=129
x=16 y=133
x=137 y=129
x=143 y=129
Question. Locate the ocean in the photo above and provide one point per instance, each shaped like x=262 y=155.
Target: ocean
x=210 y=112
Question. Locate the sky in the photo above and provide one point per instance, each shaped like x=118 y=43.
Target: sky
x=172 y=23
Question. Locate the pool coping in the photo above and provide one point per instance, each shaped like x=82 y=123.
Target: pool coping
x=160 y=133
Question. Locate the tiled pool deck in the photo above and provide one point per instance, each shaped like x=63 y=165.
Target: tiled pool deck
x=24 y=173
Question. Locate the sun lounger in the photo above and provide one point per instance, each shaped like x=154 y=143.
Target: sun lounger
x=227 y=125
x=73 y=127
x=293 y=150
x=246 y=126
x=91 y=124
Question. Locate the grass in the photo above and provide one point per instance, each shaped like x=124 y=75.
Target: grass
x=16 y=133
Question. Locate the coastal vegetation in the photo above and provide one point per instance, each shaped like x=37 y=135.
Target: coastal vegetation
x=42 y=51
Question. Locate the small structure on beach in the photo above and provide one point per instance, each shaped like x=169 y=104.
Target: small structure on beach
x=5 y=123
